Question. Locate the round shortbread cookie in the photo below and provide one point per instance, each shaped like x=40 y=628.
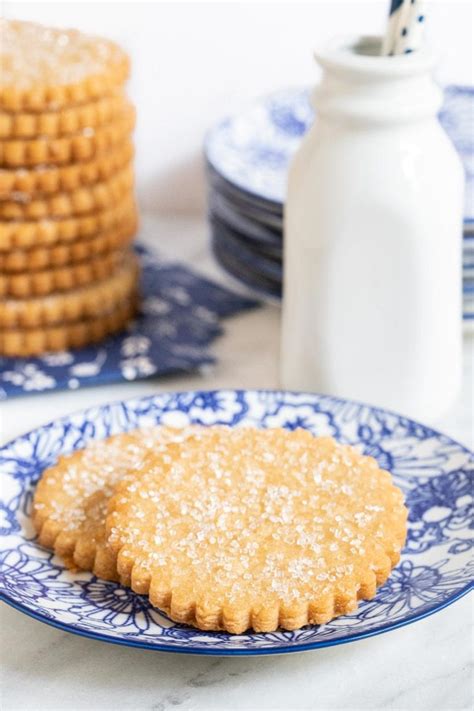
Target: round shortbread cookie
x=257 y=529
x=63 y=122
x=77 y=147
x=24 y=343
x=35 y=233
x=76 y=305
x=91 y=198
x=44 y=69
x=41 y=283
x=41 y=180
x=70 y=501
x=60 y=255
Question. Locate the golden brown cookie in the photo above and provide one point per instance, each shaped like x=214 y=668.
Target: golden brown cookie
x=257 y=529
x=70 y=501
x=59 y=255
x=59 y=337
x=92 y=198
x=77 y=147
x=64 y=122
x=45 y=69
x=77 y=305
x=30 y=284
x=35 y=233
x=41 y=180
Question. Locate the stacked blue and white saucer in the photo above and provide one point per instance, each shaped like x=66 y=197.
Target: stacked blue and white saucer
x=247 y=161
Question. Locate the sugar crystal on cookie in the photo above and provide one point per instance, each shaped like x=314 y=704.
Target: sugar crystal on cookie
x=284 y=508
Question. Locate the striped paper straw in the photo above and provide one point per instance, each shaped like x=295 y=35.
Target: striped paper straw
x=405 y=27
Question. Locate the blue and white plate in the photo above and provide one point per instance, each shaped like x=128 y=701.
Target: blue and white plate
x=246 y=223
x=268 y=213
x=256 y=284
x=243 y=250
x=434 y=472
x=247 y=161
x=251 y=151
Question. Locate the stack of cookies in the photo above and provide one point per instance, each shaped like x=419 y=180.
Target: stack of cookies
x=67 y=212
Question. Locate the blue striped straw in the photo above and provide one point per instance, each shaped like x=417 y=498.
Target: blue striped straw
x=405 y=27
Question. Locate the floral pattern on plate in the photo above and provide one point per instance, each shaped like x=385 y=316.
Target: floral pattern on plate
x=252 y=150
x=435 y=473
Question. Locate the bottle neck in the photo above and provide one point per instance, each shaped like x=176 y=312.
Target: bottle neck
x=362 y=87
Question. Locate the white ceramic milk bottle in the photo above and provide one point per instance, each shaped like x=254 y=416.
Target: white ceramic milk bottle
x=372 y=244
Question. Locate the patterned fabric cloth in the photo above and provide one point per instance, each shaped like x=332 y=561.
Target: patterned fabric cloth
x=180 y=317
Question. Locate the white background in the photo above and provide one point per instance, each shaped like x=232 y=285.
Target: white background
x=194 y=62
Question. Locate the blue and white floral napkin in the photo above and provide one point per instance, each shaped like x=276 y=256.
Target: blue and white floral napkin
x=179 y=319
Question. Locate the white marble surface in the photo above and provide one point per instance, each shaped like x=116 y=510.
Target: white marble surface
x=427 y=665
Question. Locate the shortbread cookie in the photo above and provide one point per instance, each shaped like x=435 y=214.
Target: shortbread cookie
x=35 y=233
x=78 y=202
x=71 y=253
x=41 y=180
x=23 y=343
x=70 y=502
x=45 y=69
x=76 y=305
x=41 y=283
x=257 y=529
x=82 y=146
x=63 y=122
